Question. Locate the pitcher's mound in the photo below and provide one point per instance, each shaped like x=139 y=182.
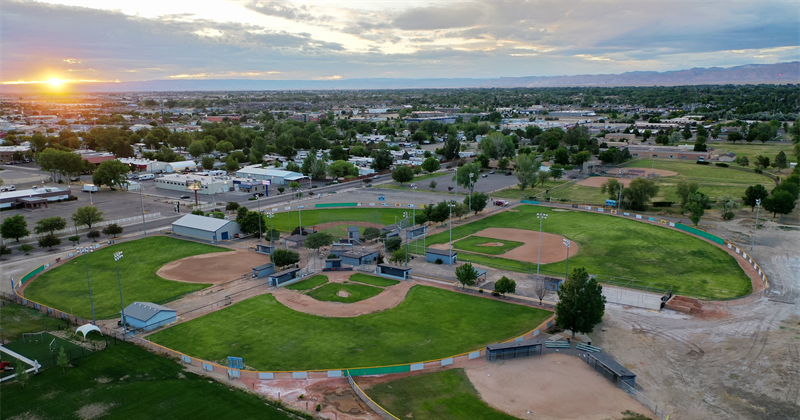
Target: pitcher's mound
x=217 y=267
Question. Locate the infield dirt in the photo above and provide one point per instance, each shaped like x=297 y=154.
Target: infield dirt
x=552 y=248
x=215 y=268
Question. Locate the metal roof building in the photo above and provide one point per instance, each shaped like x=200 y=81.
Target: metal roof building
x=206 y=228
x=275 y=176
x=148 y=316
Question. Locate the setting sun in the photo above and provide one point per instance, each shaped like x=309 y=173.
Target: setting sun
x=54 y=81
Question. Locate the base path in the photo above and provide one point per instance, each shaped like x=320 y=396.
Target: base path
x=216 y=267
x=552 y=248
x=388 y=298
x=550 y=387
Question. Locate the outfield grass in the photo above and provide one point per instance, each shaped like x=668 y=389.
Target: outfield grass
x=473 y=243
x=539 y=191
x=578 y=194
x=358 y=292
x=751 y=150
x=430 y=323
x=309 y=283
x=131 y=384
x=18 y=319
x=616 y=247
x=373 y=280
x=65 y=287
x=442 y=395
x=288 y=221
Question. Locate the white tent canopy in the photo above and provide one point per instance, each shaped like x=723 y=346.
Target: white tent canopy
x=86 y=329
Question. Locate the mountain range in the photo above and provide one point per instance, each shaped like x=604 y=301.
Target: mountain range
x=779 y=73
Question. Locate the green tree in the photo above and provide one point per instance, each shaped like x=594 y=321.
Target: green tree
x=639 y=193
x=780 y=202
x=696 y=205
x=341 y=169
x=314 y=167
x=743 y=161
x=371 y=233
x=403 y=174
x=612 y=188
x=398 y=257
x=93 y=235
x=113 y=230
x=753 y=193
x=478 y=201
x=75 y=239
x=556 y=172
x=231 y=164
x=526 y=168
x=467 y=175
x=561 y=156
x=381 y=160
x=285 y=257
x=196 y=149
x=762 y=162
x=542 y=177
x=503 y=164
x=49 y=241
x=685 y=190
x=208 y=162
x=318 y=240
x=432 y=185
x=87 y=215
x=5 y=250
x=62 y=361
x=112 y=173
x=15 y=227
x=338 y=153
x=451 y=147
x=225 y=147
x=393 y=244
x=505 y=285
x=466 y=274
x=581 y=304
x=728 y=206
x=232 y=206
x=50 y=225
x=22 y=375
x=579 y=158
x=780 y=161
x=431 y=164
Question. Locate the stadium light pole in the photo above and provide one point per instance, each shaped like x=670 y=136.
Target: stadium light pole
x=471 y=174
x=542 y=217
x=405 y=216
x=84 y=251
x=567 y=243
x=258 y=205
x=300 y=212
x=755 y=228
x=450 y=222
x=271 y=215
x=118 y=256
x=141 y=200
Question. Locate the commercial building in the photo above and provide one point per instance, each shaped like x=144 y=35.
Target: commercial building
x=275 y=176
x=145 y=165
x=186 y=165
x=7 y=152
x=206 y=228
x=32 y=198
x=208 y=184
x=666 y=152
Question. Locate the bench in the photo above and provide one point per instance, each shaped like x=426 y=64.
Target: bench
x=556 y=344
x=586 y=347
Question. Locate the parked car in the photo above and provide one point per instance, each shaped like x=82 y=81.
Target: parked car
x=484 y=176
x=12 y=187
x=501 y=203
x=491 y=172
x=185 y=197
x=509 y=173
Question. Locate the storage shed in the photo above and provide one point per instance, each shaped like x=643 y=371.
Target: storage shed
x=206 y=228
x=394 y=271
x=359 y=256
x=148 y=316
x=336 y=264
x=447 y=257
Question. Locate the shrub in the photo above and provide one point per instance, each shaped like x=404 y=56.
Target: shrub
x=26 y=248
x=76 y=239
x=663 y=203
x=198 y=212
x=93 y=235
x=758 y=171
x=722 y=164
x=439 y=261
x=702 y=162
x=728 y=215
x=319 y=407
x=495 y=294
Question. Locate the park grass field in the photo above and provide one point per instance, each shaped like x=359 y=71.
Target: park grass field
x=373 y=280
x=430 y=323
x=357 y=292
x=17 y=319
x=65 y=287
x=616 y=247
x=538 y=191
x=473 y=243
x=309 y=283
x=578 y=194
x=441 y=395
x=751 y=150
x=127 y=382
x=290 y=220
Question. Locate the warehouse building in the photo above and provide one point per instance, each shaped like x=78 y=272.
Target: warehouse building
x=186 y=165
x=206 y=228
x=207 y=184
x=275 y=176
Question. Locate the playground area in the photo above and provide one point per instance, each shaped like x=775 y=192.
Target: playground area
x=213 y=268
x=552 y=249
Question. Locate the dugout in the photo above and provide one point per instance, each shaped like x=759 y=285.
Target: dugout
x=295 y=240
x=336 y=264
x=514 y=349
x=612 y=370
x=263 y=270
x=394 y=271
x=552 y=283
x=281 y=277
x=340 y=248
x=359 y=257
x=447 y=257
x=265 y=249
x=148 y=316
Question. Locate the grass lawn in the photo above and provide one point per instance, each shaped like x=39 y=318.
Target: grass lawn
x=18 y=319
x=539 y=191
x=38 y=349
x=287 y=221
x=616 y=247
x=442 y=395
x=309 y=283
x=126 y=382
x=578 y=194
x=373 y=280
x=358 y=292
x=66 y=288
x=430 y=323
x=473 y=243
x=751 y=150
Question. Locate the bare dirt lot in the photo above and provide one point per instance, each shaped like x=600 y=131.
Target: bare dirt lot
x=388 y=298
x=552 y=249
x=217 y=267
x=552 y=386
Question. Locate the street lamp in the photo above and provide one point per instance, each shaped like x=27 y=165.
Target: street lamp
x=567 y=243
x=117 y=257
x=450 y=222
x=84 y=251
x=471 y=174
x=405 y=216
x=542 y=217
x=300 y=212
x=758 y=208
x=194 y=187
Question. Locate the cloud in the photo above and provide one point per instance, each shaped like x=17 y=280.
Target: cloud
x=282 y=9
x=428 y=18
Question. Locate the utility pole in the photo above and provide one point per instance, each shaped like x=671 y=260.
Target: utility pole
x=567 y=243
x=84 y=251
x=141 y=199
x=542 y=217
x=755 y=228
x=117 y=257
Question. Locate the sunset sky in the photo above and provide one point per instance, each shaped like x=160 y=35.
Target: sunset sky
x=94 y=40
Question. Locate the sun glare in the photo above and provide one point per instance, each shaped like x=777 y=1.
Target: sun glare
x=54 y=81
